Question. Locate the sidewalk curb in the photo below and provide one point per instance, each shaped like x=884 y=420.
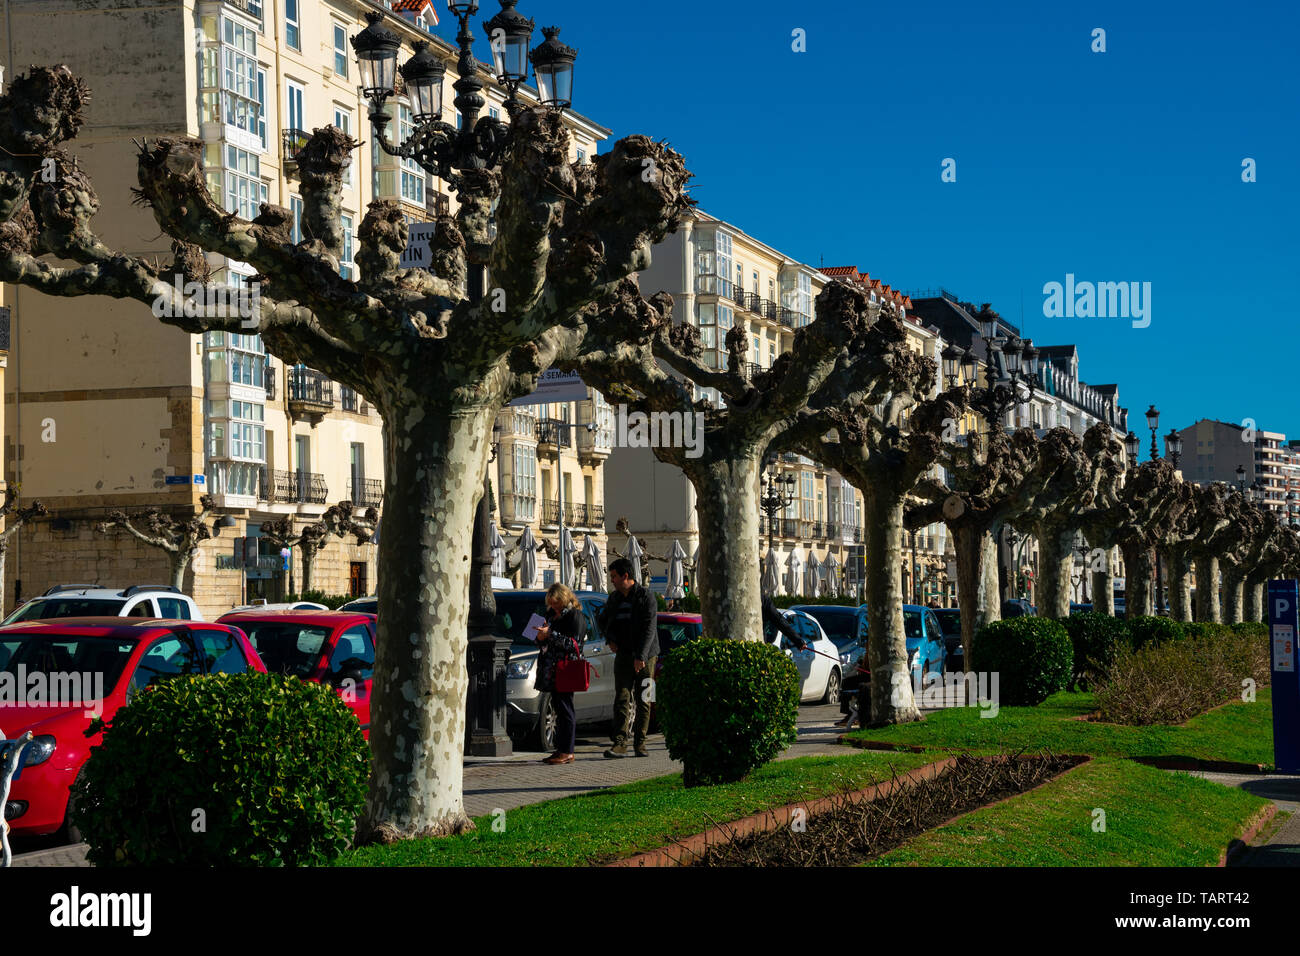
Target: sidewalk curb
x=1241 y=845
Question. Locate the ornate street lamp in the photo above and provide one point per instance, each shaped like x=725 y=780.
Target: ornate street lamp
x=510 y=33
x=225 y=521
x=423 y=74
x=553 y=63
x=1132 y=443
x=968 y=366
x=1030 y=360
x=1241 y=479
x=1174 y=447
x=951 y=355
x=376 y=49
x=1153 y=423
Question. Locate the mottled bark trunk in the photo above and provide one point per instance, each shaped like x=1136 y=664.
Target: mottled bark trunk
x=977 y=581
x=177 y=562
x=1254 y=600
x=1138 y=568
x=728 y=578
x=892 y=700
x=1180 y=597
x=1103 y=589
x=1233 y=585
x=1207 y=589
x=1055 y=548
x=434 y=462
x=308 y=566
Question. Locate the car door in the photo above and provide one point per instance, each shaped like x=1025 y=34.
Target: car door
x=173 y=608
x=168 y=656
x=597 y=701
x=351 y=671
x=802 y=659
x=220 y=652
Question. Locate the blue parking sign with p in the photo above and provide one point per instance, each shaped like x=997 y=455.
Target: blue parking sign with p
x=1283 y=626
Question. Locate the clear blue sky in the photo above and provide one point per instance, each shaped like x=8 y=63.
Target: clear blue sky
x=1116 y=166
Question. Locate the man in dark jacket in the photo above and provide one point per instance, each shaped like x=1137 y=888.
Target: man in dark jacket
x=630 y=623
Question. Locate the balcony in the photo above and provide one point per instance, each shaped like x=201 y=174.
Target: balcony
x=555 y=432
x=791 y=319
x=714 y=285
x=366 y=492
x=310 y=393
x=269 y=381
x=575 y=516
x=292 y=487
x=252 y=7
x=594 y=446
x=292 y=142
x=436 y=203
x=517 y=510
x=770 y=309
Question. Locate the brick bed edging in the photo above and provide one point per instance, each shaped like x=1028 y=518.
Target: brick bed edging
x=687 y=850
x=1252 y=829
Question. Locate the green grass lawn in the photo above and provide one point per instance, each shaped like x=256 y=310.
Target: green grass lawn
x=1153 y=818
x=622 y=821
x=1238 y=732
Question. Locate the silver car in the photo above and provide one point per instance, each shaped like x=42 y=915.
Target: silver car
x=530 y=713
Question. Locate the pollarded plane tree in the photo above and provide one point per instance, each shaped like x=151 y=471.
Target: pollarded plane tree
x=1279 y=557
x=1212 y=527
x=1136 y=520
x=635 y=354
x=179 y=536
x=1087 y=483
x=1174 y=537
x=883 y=440
x=337 y=521
x=14 y=518
x=437 y=351
x=1255 y=527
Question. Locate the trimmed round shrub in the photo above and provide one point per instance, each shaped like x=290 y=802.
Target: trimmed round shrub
x=1153 y=631
x=1096 y=639
x=1251 y=628
x=1032 y=656
x=227 y=770
x=726 y=707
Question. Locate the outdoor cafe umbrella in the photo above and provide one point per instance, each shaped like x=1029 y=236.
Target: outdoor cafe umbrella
x=567 y=550
x=591 y=558
x=498 y=553
x=794 y=567
x=528 y=545
x=831 y=569
x=771 y=577
x=676 y=572
x=812 y=576
x=635 y=554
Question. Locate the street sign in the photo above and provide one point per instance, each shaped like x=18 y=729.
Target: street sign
x=200 y=479
x=417 y=254
x=1283 y=625
x=176 y=479
x=555 y=386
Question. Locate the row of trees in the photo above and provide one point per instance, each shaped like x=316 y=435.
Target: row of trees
x=438 y=361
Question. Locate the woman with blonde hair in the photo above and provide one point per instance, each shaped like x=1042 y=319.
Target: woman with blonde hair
x=560 y=639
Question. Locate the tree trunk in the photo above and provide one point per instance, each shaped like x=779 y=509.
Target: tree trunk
x=977 y=581
x=308 y=566
x=1254 y=598
x=1055 y=548
x=1180 y=598
x=1103 y=589
x=892 y=700
x=728 y=579
x=1207 y=589
x=178 y=562
x=1233 y=585
x=1138 y=568
x=434 y=461
x=4 y=553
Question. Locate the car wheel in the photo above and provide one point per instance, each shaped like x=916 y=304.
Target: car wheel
x=832 y=695
x=70 y=832
x=547 y=723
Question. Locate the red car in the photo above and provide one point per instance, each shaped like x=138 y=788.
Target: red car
x=336 y=648
x=64 y=670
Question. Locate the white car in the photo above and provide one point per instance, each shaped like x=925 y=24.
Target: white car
x=91 y=600
x=819 y=665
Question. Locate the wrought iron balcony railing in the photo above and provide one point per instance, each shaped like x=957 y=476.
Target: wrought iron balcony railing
x=554 y=431
x=292 y=487
x=575 y=515
x=366 y=493
x=310 y=388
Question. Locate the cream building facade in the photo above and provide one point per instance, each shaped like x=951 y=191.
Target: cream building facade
x=147 y=415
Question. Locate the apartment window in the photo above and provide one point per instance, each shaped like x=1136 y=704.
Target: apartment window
x=757 y=351
x=295 y=112
x=494 y=113
x=412 y=174
x=357 y=464
x=771 y=354
x=235 y=174
x=291 y=27
x=726 y=317
x=754 y=283
x=261 y=106
x=343 y=121
x=806 y=478
x=524 y=482
x=582 y=156
x=340 y=50
x=346 y=267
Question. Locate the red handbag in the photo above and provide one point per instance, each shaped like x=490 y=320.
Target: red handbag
x=573 y=676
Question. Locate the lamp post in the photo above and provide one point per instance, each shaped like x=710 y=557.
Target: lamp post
x=1241 y=479
x=1174 y=447
x=1131 y=444
x=465 y=158
x=1011 y=380
x=1153 y=423
x=776 y=495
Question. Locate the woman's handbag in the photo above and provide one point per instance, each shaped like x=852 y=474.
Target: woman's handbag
x=573 y=676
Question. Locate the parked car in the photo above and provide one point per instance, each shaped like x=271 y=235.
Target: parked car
x=127 y=657
x=950 y=624
x=821 y=677
x=1079 y=608
x=927 y=649
x=530 y=713
x=370 y=603
x=845 y=626
x=1120 y=604
x=675 y=629
x=335 y=648
x=294 y=606
x=1018 y=607
x=91 y=600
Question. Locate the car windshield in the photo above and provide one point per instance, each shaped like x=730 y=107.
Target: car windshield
x=364 y=606
x=673 y=634
x=912 y=625
x=840 y=624
x=75 y=669
x=513 y=612
x=949 y=620
x=66 y=607
x=286 y=648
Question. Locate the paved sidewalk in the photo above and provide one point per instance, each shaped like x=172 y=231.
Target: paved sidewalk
x=510 y=782
x=1283 y=845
